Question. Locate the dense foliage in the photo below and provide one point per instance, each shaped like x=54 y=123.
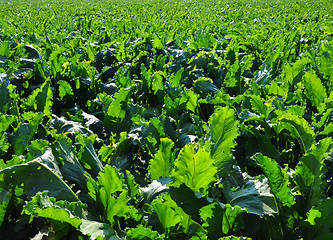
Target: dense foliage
x=166 y=119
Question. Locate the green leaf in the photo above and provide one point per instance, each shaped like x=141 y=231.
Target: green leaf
x=117 y=207
x=88 y=154
x=195 y=168
x=5 y=48
x=321 y=223
x=157 y=84
x=259 y=105
x=167 y=216
x=191 y=100
x=132 y=186
x=154 y=189
x=64 y=89
x=176 y=78
x=26 y=131
x=44 y=206
x=300 y=129
x=4 y=93
x=255 y=196
x=223 y=130
x=204 y=85
x=35 y=177
x=41 y=99
x=219 y=219
x=71 y=168
x=295 y=72
x=5 y=196
x=263 y=77
x=314 y=89
x=309 y=171
x=312 y=215
x=277 y=181
x=160 y=165
x=5 y=122
x=48 y=159
x=141 y=233
x=90 y=52
x=32 y=52
x=188 y=200
x=117 y=108
x=64 y=126
x=111 y=182
x=98 y=230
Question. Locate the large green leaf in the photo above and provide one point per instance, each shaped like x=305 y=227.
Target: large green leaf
x=111 y=182
x=4 y=93
x=64 y=89
x=309 y=171
x=154 y=189
x=98 y=230
x=300 y=129
x=42 y=205
x=117 y=108
x=35 y=177
x=5 y=196
x=5 y=122
x=41 y=99
x=314 y=89
x=295 y=72
x=5 y=48
x=219 y=219
x=277 y=181
x=71 y=168
x=195 y=168
x=167 y=216
x=204 y=85
x=255 y=196
x=188 y=200
x=64 y=126
x=223 y=130
x=321 y=225
x=160 y=165
x=26 y=131
x=73 y=213
x=264 y=77
x=88 y=157
x=142 y=233
x=117 y=206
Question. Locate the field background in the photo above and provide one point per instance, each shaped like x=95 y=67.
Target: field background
x=166 y=119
